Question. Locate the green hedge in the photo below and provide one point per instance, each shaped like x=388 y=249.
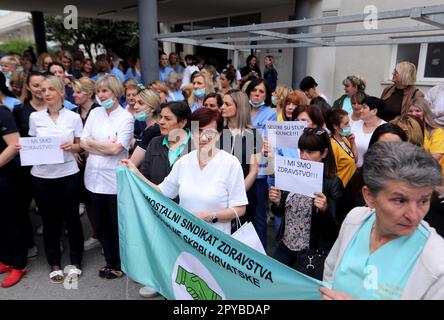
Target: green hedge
x=16 y=46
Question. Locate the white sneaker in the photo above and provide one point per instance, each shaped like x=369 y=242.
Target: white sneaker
x=91 y=243
x=39 y=230
x=82 y=209
x=32 y=252
x=148 y=292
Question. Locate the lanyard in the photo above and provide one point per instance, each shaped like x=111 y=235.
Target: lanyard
x=345 y=148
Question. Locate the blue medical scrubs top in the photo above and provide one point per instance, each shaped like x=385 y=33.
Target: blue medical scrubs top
x=69 y=105
x=383 y=274
x=347 y=106
x=11 y=102
x=164 y=72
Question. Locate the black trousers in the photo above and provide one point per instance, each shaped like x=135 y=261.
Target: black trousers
x=13 y=250
x=104 y=207
x=26 y=195
x=285 y=255
x=58 y=202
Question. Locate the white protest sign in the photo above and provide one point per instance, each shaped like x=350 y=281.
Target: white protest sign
x=298 y=176
x=285 y=134
x=40 y=150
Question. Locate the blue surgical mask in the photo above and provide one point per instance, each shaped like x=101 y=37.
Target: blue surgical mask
x=257 y=105
x=20 y=69
x=346 y=132
x=274 y=101
x=108 y=103
x=199 y=93
x=8 y=75
x=141 y=116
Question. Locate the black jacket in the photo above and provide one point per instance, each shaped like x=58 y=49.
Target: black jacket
x=324 y=225
x=338 y=103
x=156 y=166
x=271 y=76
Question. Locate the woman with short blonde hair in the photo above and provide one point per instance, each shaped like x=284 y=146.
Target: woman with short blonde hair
x=106 y=137
x=398 y=97
x=147 y=110
x=12 y=61
x=84 y=91
x=111 y=82
x=85 y=84
x=407 y=73
x=8 y=66
x=202 y=85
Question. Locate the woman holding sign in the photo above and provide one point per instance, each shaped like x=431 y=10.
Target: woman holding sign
x=311 y=224
x=106 y=137
x=386 y=250
x=259 y=93
x=12 y=226
x=56 y=186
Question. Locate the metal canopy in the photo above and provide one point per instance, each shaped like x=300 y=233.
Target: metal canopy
x=431 y=16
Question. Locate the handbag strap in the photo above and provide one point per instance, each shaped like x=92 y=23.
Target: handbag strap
x=238 y=222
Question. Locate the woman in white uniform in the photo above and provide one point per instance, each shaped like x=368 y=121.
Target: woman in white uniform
x=215 y=173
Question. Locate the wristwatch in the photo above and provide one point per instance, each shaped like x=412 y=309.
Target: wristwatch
x=214 y=218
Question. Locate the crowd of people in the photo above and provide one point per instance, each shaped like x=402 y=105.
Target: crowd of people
x=383 y=160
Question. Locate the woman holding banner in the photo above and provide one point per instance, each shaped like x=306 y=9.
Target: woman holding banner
x=387 y=250
x=12 y=226
x=106 y=137
x=310 y=225
x=218 y=174
x=162 y=152
x=56 y=186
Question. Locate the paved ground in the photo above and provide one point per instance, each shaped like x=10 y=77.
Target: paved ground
x=36 y=284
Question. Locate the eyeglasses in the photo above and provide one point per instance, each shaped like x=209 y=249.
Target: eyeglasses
x=208 y=133
x=316 y=131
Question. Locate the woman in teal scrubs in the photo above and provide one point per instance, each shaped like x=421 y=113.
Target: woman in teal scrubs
x=386 y=250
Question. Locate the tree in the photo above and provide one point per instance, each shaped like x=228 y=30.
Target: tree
x=120 y=36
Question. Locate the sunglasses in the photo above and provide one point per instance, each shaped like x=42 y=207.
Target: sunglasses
x=316 y=131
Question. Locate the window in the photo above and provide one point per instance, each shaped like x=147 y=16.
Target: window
x=427 y=57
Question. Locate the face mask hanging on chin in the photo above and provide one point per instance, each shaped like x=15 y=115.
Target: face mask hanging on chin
x=257 y=105
x=108 y=103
